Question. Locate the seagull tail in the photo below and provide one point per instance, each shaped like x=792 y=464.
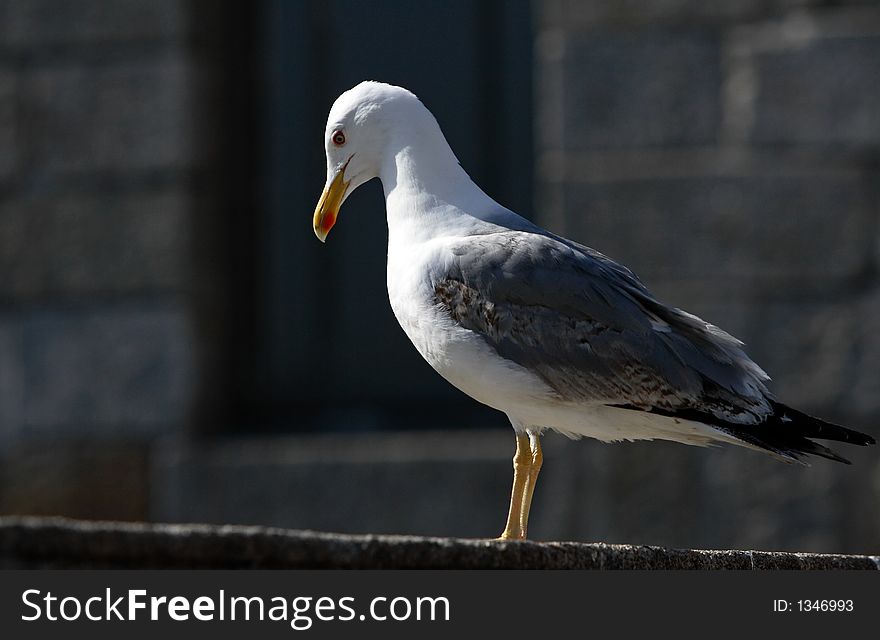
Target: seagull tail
x=787 y=434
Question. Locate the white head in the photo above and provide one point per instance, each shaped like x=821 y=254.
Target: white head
x=367 y=126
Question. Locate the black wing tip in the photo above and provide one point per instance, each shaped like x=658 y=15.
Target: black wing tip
x=787 y=434
x=791 y=433
x=787 y=446
x=811 y=427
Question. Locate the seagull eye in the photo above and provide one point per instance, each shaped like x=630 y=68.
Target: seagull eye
x=338 y=138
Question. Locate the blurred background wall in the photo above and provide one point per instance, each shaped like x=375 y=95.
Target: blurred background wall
x=175 y=345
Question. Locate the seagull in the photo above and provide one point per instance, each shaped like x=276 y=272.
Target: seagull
x=554 y=334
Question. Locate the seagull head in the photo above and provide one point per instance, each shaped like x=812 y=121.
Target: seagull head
x=361 y=127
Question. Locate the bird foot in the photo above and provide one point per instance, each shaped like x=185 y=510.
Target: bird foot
x=511 y=535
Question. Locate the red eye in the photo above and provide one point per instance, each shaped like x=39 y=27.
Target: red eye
x=338 y=138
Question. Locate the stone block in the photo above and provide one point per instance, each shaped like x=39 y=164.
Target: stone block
x=641 y=90
x=823 y=93
x=604 y=14
x=128 y=116
x=810 y=350
x=41 y=23
x=11 y=374
x=4 y=19
x=862 y=379
x=76 y=245
x=121 y=369
x=8 y=141
x=75 y=478
x=382 y=482
x=766 y=230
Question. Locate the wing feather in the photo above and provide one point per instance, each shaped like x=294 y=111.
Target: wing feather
x=592 y=331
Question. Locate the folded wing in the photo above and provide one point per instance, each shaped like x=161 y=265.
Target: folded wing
x=589 y=329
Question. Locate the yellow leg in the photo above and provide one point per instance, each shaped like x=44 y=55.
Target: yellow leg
x=522 y=462
x=537 y=459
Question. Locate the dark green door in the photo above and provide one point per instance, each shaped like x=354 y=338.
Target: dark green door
x=328 y=352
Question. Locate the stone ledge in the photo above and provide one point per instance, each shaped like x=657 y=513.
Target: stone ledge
x=29 y=542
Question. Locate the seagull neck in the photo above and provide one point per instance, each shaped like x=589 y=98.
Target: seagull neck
x=425 y=186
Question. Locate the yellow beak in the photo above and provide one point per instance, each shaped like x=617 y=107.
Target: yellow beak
x=328 y=206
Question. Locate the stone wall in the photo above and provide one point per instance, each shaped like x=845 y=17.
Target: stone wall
x=108 y=117
x=728 y=153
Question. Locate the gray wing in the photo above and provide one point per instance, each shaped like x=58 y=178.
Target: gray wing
x=593 y=332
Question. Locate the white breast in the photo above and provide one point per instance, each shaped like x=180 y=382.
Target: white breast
x=461 y=356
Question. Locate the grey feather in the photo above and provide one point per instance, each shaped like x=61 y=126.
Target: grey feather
x=592 y=331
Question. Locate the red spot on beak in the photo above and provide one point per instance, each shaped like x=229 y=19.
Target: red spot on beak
x=327 y=222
